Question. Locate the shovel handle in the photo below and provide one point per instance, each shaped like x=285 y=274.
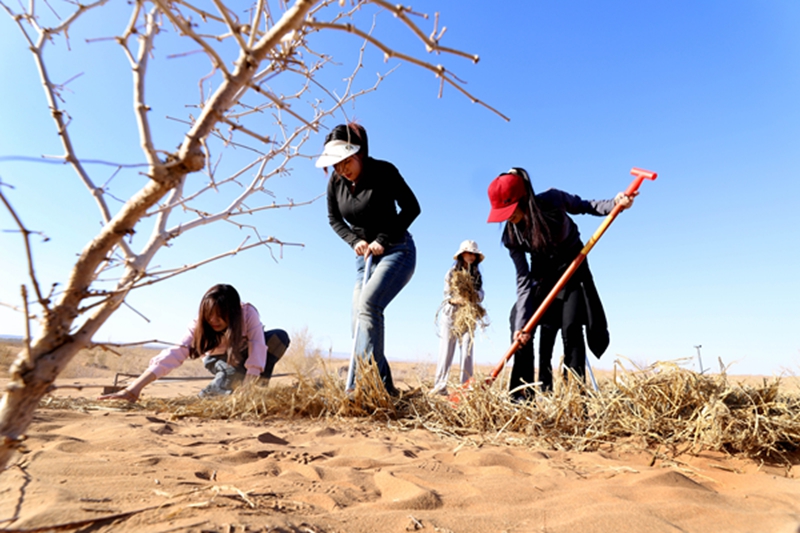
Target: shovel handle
x=351 y=368
x=641 y=175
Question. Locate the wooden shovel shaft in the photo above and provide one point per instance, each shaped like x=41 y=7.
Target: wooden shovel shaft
x=351 y=368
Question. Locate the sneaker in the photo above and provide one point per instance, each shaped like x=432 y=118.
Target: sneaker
x=212 y=391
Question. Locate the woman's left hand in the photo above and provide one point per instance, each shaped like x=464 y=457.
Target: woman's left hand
x=376 y=248
x=625 y=200
x=124 y=394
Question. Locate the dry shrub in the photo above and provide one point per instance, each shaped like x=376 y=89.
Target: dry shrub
x=664 y=408
x=302 y=357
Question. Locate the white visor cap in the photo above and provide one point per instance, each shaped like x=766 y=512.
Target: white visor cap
x=336 y=151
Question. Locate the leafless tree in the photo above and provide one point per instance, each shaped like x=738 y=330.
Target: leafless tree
x=264 y=68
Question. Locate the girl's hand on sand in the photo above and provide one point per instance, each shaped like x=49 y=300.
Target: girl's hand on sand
x=124 y=394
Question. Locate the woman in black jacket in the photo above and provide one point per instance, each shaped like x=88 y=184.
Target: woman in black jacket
x=364 y=195
x=539 y=226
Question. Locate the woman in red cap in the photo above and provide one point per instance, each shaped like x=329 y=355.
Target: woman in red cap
x=230 y=338
x=538 y=226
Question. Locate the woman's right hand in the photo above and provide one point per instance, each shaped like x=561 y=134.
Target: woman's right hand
x=124 y=394
x=522 y=337
x=361 y=247
x=376 y=248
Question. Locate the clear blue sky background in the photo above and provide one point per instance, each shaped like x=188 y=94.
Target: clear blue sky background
x=704 y=93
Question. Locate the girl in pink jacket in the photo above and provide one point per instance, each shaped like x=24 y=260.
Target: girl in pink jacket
x=230 y=338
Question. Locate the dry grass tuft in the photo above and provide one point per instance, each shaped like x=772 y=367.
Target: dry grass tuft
x=664 y=408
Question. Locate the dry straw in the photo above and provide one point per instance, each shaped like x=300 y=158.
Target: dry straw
x=469 y=313
x=664 y=408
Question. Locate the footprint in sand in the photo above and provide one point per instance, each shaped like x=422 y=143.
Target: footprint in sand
x=73 y=445
x=400 y=494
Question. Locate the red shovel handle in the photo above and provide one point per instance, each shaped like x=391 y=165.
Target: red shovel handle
x=641 y=175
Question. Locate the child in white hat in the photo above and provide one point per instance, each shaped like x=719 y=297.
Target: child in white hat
x=460 y=313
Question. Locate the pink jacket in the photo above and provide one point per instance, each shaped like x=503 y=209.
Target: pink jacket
x=171 y=358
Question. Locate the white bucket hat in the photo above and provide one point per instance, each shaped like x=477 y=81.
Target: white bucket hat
x=336 y=151
x=471 y=247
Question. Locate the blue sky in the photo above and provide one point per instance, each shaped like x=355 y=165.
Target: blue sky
x=704 y=93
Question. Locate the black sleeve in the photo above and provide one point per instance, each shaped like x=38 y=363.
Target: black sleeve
x=406 y=201
x=575 y=205
x=526 y=288
x=335 y=218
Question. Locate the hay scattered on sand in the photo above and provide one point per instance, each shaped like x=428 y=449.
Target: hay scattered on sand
x=665 y=408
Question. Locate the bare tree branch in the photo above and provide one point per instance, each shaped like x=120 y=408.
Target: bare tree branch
x=139 y=67
x=57 y=114
x=439 y=70
x=27 y=340
x=167 y=274
x=234 y=27
x=44 y=302
x=431 y=42
x=185 y=28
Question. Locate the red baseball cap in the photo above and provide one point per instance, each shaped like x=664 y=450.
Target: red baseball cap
x=505 y=192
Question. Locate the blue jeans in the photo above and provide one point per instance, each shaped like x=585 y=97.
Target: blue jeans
x=390 y=272
x=227 y=377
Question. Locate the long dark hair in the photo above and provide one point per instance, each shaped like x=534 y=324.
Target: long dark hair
x=532 y=231
x=223 y=300
x=351 y=132
x=473 y=270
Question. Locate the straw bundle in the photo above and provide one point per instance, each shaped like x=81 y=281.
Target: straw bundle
x=469 y=313
x=664 y=408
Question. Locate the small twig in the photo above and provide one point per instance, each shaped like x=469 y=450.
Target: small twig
x=29 y=255
x=27 y=339
x=129 y=306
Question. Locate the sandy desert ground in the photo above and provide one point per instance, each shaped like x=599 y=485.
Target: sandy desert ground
x=111 y=468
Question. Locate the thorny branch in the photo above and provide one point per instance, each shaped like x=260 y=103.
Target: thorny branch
x=37 y=48
x=139 y=68
x=166 y=274
x=439 y=70
x=26 y=234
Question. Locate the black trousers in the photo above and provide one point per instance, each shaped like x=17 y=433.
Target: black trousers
x=571 y=336
x=567 y=313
